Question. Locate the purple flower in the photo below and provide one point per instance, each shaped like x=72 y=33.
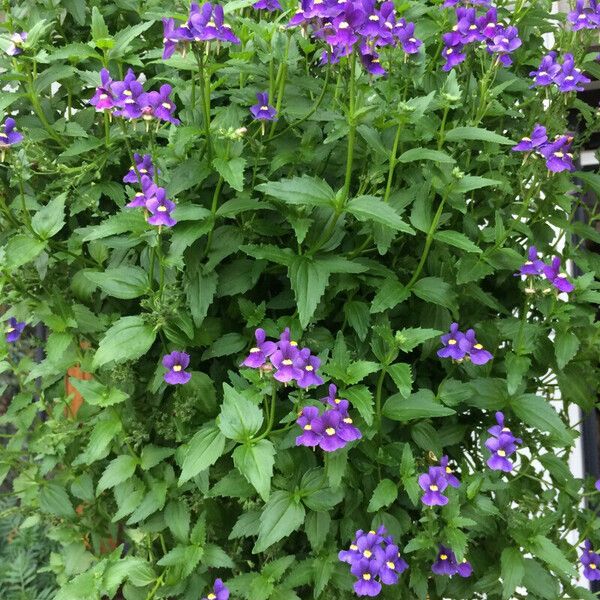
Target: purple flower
x=220 y=592
x=126 y=95
x=14 y=329
x=328 y=427
x=557 y=278
x=453 y=52
x=464 y=568
x=207 y=24
x=103 y=99
x=446 y=564
x=176 y=362
x=466 y=25
x=584 y=18
x=569 y=78
x=449 y=473
x=558 y=154
x=259 y=353
x=366 y=571
x=504 y=42
x=263 y=111
x=448 y=3
x=546 y=72
x=144 y=166
x=268 y=5
x=161 y=208
x=158 y=105
x=597 y=485
x=406 y=37
x=371 y=61
x=309 y=369
x=9 y=136
x=332 y=398
x=538 y=138
x=469 y=345
x=306 y=420
x=590 y=561
x=16 y=42
x=433 y=484
x=392 y=565
x=533 y=265
x=146 y=196
x=288 y=362
x=172 y=36
x=500 y=428
x=452 y=348
x=501 y=448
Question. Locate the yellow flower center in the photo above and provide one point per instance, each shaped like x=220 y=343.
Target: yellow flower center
x=143 y=171
x=473 y=27
x=592 y=566
x=443 y=557
x=292 y=343
x=569 y=78
x=287 y=362
x=177 y=368
x=367 y=554
x=330 y=431
x=343 y=25
x=166 y=105
x=263 y=107
x=501 y=453
x=347 y=420
x=390 y=565
x=309 y=368
x=308 y=427
x=434 y=488
x=373 y=18
x=372 y=532
x=451 y=342
x=353 y=547
x=337 y=400
x=366 y=576
x=162 y=209
x=128 y=93
x=412 y=40
x=448 y=470
x=506 y=429
x=211 y=596
x=478 y=347
x=254 y=350
x=103 y=96
x=559 y=154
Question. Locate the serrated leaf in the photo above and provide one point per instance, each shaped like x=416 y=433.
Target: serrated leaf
x=408 y=339
x=240 y=418
x=458 y=240
x=49 y=220
x=566 y=346
x=384 y=494
x=436 y=291
x=512 y=571
x=401 y=373
x=420 y=405
x=371 y=208
x=308 y=279
x=255 y=462
x=415 y=154
x=125 y=282
x=282 y=514
x=232 y=171
x=203 y=450
x=537 y=412
x=118 y=470
x=304 y=190
x=477 y=133
x=200 y=292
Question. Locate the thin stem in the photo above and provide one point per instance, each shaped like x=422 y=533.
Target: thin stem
x=378 y=394
x=213 y=210
x=157 y=585
x=281 y=78
x=393 y=159
x=442 y=133
x=270 y=415
x=204 y=78
x=352 y=130
x=106 y=129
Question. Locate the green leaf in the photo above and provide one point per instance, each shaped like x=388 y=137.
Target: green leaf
x=477 y=133
x=371 y=208
x=200 y=292
x=125 y=36
x=401 y=373
x=384 y=494
x=358 y=317
x=308 y=279
x=282 y=514
x=125 y=282
x=49 y=220
x=81 y=146
x=566 y=346
x=232 y=171
x=216 y=558
x=154 y=455
x=551 y=554
x=22 y=249
x=128 y=339
x=436 y=291
x=177 y=517
x=362 y=399
x=415 y=154
x=304 y=190
x=512 y=571
x=126 y=221
x=240 y=418
x=203 y=450
x=55 y=500
x=99 y=28
x=226 y=345
x=280 y=256
x=408 y=339
x=420 y=405
x=537 y=412
x=473 y=182
x=540 y=581
x=389 y=294
x=118 y=470
x=458 y=240
x=255 y=462
x=316 y=529
x=97 y=394
x=153 y=501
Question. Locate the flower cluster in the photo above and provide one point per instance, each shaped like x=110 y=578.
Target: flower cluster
x=502 y=444
x=9 y=136
x=535 y=267
x=152 y=197
x=374 y=559
x=557 y=153
x=565 y=76
x=204 y=24
x=449 y=3
x=463 y=346
x=446 y=564
x=290 y=362
x=590 y=561
x=176 y=363
x=435 y=481
x=14 y=329
x=128 y=99
x=330 y=430
x=16 y=43
x=471 y=28
x=347 y=26
x=220 y=591
x=268 y=5
x=585 y=17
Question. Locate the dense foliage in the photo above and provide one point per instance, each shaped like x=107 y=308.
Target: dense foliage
x=353 y=179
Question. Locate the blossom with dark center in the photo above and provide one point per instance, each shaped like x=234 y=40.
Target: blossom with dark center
x=584 y=17
x=14 y=329
x=452 y=348
x=590 y=561
x=172 y=36
x=538 y=138
x=391 y=565
x=16 y=43
x=533 y=265
x=158 y=105
x=306 y=420
x=259 y=353
x=9 y=136
x=262 y=110
x=288 y=362
x=103 y=99
x=546 y=72
x=268 y=5
x=366 y=572
x=161 y=208
x=449 y=473
x=570 y=78
x=501 y=428
x=446 y=564
x=220 y=591
x=371 y=61
x=433 y=484
x=501 y=448
x=144 y=166
x=328 y=427
x=504 y=42
x=176 y=362
x=453 y=51
x=126 y=94
x=466 y=25
x=477 y=353
x=558 y=154
x=556 y=277
x=207 y=24
x=148 y=194
x=406 y=37
x=310 y=365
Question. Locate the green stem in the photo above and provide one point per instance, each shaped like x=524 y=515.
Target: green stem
x=213 y=210
x=393 y=159
x=106 y=129
x=37 y=108
x=443 y=127
x=270 y=415
x=378 y=394
x=157 y=585
x=352 y=128
x=281 y=78
x=204 y=78
x=26 y=214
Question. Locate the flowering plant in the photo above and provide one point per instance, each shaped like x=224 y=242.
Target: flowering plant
x=316 y=273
